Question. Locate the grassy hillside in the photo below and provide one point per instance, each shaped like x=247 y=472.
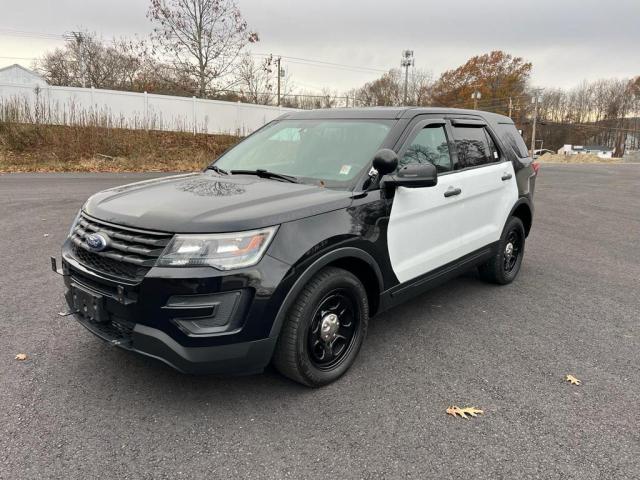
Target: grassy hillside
x=51 y=148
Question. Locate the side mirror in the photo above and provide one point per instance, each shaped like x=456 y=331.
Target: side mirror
x=413 y=175
x=385 y=161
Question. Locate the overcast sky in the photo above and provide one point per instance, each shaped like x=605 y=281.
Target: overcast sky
x=567 y=40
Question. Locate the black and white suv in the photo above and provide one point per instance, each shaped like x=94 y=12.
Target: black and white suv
x=284 y=248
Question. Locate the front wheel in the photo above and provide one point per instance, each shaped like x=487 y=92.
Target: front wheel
x=324 y=329
x=504 y=266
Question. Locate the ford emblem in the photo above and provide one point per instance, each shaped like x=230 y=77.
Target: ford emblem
x=97 y=242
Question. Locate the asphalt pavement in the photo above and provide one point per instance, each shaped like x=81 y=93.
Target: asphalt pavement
x=77 y=408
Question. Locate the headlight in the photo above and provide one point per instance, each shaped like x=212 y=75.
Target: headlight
x=224 y=251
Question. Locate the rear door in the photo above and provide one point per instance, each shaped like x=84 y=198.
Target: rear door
x=487 y=182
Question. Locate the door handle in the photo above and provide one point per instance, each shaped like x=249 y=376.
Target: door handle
x=452 y=192
x=506 y=176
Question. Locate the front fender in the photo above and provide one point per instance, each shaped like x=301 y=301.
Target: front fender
x=308 y=269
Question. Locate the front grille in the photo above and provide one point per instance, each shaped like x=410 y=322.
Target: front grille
x=129 y=253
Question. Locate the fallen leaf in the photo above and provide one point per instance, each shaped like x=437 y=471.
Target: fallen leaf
x=463 y=412
x=572 y=380
x=21 y=356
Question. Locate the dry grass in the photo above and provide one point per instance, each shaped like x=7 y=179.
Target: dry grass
x=51 y=148
x=580 y=158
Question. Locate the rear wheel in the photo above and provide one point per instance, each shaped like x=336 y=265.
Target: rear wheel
x=504 y=266
x=324 y=329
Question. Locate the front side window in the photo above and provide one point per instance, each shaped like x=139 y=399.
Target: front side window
x=430 y=145
x=331 y=153
x=474 y=147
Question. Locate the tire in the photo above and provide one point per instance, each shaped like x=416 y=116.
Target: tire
x=503 y=267
x=302 y=353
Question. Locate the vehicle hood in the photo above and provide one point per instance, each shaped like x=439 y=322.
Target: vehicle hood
x=208 y=203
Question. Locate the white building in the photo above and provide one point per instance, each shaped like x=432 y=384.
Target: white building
x=18 y=75
x=600 y=151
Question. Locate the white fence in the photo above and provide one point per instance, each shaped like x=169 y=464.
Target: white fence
x=70 y=106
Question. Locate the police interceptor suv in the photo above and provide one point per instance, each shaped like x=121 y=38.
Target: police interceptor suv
x=282 y=250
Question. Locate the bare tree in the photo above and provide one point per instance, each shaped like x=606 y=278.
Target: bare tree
x=601 y=112
x=420 y=87
x=88 y=60
x=202 y=38
x=255 y=79
x=388 y=89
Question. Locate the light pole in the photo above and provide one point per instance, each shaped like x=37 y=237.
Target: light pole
x=476 y=96
x=281 y=74
x=537 y=98
x=406 y=62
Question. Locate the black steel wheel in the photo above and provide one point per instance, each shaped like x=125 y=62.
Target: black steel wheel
x=512 y=249
x=505 y=264
x=324 y=328
x=333 y=329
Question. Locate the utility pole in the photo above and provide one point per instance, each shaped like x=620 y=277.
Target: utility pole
x=79 y=39
x=536 y=99
x=280 y=74
x=406 y=62
x=476 y=96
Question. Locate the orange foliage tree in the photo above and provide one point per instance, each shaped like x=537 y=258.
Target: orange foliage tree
x=496 y=75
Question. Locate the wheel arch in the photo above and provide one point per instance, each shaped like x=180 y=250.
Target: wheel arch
x=352 y=259
x=524 y=211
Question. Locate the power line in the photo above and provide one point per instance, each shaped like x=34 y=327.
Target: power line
x=26 y=34
x=290 y=59
x=19 y=58
x=589 y=125
x=322 y=62
x=488 y=102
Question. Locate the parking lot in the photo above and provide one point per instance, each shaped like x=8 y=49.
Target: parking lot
x=77 y=408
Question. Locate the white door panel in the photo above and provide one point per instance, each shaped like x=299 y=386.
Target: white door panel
x=487 y=202
x=422 y=233
x=428 y=230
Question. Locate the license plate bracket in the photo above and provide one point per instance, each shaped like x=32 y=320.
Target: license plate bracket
x=88 y=304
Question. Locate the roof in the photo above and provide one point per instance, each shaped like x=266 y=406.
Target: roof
x=24 y=69
x=390 y=113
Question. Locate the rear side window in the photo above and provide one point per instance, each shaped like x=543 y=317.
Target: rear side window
x=474 y=147
x=429 y=146
x=513 y=140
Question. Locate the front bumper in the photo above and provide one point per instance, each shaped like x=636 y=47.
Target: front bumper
x=145 y=317
x=234 y=359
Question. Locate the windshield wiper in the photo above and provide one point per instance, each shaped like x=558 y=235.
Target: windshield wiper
x=217 y=170
x=266 y=174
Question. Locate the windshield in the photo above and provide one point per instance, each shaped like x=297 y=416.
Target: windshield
x=331 y=153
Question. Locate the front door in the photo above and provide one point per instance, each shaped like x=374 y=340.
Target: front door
x=424 y=226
